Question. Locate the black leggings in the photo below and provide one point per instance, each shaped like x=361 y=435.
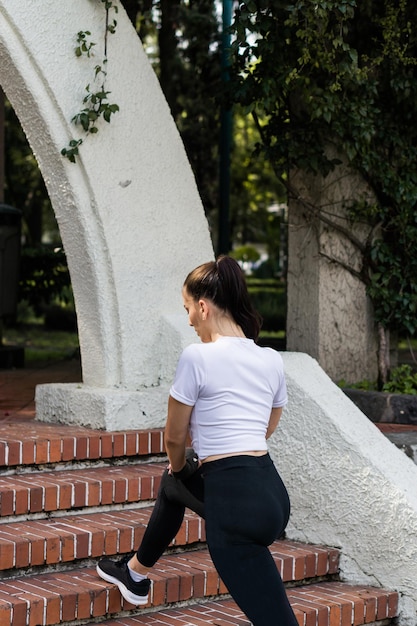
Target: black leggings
x=246 y=507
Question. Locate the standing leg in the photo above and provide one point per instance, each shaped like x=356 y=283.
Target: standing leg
x=247 y=508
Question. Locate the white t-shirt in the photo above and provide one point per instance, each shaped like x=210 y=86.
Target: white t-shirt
x=232 y=383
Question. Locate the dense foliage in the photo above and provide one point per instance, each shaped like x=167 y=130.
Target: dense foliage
x=343 y=72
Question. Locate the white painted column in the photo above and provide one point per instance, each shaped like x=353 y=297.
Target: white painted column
x=329 y=315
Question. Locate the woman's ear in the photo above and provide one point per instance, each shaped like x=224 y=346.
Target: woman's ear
x=203 y=308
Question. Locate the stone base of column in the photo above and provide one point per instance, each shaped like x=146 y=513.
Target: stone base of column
x=106 y=409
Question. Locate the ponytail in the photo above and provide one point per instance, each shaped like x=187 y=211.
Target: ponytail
x=223 y=282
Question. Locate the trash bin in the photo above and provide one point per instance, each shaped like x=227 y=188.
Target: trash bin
x=10 y=229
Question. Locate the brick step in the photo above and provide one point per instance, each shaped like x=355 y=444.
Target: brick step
x=63 y=597
x=41 y=493
x=68 y=495
x=36 y=443
x=78 y=595
x=43 y=544
x=325 y=604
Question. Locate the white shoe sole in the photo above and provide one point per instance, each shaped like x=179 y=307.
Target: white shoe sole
x=128 y=595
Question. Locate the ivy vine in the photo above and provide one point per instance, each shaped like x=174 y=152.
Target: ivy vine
x=96 y=101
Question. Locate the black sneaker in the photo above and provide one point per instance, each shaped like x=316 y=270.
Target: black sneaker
x=117 y=572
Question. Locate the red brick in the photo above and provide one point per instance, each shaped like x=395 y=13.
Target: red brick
x=42 y=449
x=22 y=553
x=144 y=446
x=55 y=453
x=36 y=499
x=392 y=605
x=36 y=608
x=67 y=547
x=322 y=563
x=80 y=494
x=37 y=551
x=370 y=609
x=7 y=551
x=198 y=584
x=185 y=586
x=6 y=615
x=146 y=491
x=118 y=445
x=334 y=561
x=194 y=530
x=19 y=614
x=158 y=589
x=173 y=589
x=14 y=456
x=81 y=448
x=21 y=505
x=125 y=540
x=68 y=606
x=133 y=489
x=68 y=449
x=212 y=584
x=97 y=543
x=120 y=490
x=94 y=493
x=99 y=601
x=110 y=542
x=156 y=442
x=52 y=549
x=107 y=446
x=131 y=444
x=114 y=600
x=64 y=496
x=83 y=606
x=3 y=448
x=51 y=498
x=28 y=452
x=53 y=610
x=6 y=502
x=94 y=445
x=107 y=491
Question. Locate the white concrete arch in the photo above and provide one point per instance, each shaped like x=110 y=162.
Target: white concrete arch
x=129 y=213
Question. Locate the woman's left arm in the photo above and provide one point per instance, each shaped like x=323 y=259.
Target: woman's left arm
x=273 y=420
x=176 y=431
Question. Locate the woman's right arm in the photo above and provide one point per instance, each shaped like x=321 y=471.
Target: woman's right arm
x=176 y=431
x=273 y=420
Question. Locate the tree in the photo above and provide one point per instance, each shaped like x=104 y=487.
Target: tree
x=256 y=195
x=333 y=84
x=183 y=40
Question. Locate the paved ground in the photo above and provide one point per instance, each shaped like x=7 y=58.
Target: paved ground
x=17 y=386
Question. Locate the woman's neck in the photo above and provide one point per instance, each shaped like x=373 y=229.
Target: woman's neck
x=226 y=328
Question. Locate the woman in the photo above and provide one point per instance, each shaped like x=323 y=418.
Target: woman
x=228 y=395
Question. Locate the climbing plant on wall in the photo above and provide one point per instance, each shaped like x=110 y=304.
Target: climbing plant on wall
x=96 y=102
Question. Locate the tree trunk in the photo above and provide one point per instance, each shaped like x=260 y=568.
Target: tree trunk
x=133 y=7
x=383 y=355
x=168 y=54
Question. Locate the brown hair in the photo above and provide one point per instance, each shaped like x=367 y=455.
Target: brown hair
x=223 y=282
